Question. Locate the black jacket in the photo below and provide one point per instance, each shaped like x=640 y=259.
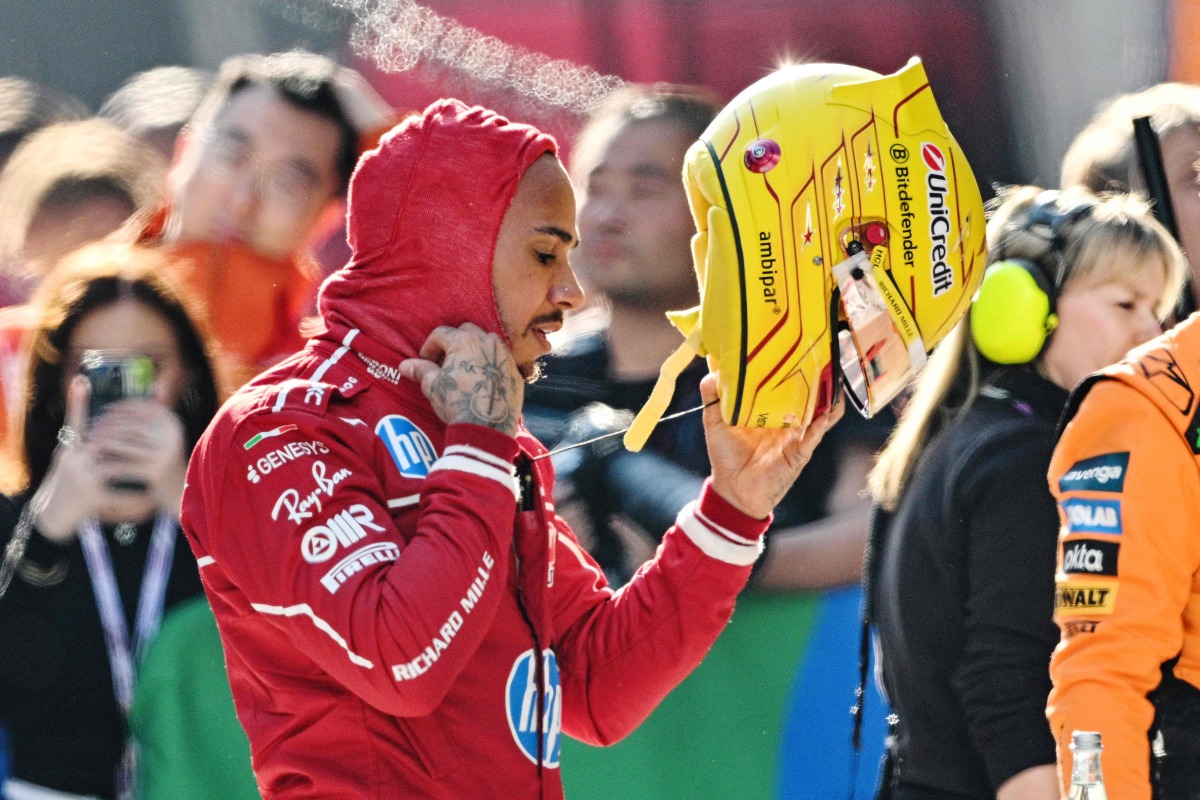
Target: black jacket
x=964 y=594
x=56 y=693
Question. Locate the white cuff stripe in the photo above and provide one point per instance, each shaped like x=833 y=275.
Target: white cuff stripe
x=303 y=609
x=482 y=455
x=474 y=467
x=205 y=561
x=404 y=502
x=716 y=542
x=728 y=534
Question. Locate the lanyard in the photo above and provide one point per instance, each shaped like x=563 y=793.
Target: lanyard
x=108 y=600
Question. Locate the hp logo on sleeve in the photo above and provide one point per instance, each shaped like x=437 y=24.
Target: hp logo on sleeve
x=520 y=702
x=409 y=446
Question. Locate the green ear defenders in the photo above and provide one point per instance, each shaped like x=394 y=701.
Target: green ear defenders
x=1014 y=312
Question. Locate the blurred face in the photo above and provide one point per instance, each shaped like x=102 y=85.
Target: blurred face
x=1098 y=323
x=1180 y=150
x=634 y=221
x=131 y=326
x=259 y=177
x=531 y=276
x=62 y=227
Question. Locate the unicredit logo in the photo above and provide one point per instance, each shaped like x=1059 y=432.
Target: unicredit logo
x=941 y=274
x=933 y=158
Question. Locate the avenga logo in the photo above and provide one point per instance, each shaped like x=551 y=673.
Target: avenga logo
x=1102 y=473
x=936 y=186
x=524 y=710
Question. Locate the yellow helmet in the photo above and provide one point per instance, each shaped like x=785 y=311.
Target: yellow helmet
x=840 y=237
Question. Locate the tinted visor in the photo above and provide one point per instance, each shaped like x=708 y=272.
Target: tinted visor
x=876 y=362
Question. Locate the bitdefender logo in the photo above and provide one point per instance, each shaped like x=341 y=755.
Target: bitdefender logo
x=937 y=187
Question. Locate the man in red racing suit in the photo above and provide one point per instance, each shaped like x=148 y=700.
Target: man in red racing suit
x=403 y=613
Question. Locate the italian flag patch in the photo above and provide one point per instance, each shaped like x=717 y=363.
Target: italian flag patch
x=258 y=437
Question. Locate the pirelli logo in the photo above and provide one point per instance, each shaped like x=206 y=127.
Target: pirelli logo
x=1084 y=598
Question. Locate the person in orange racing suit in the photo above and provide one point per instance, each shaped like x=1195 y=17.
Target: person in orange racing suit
x=1127 y=599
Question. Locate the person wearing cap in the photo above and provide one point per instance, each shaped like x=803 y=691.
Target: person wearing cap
x=401 y=609
x=960 y=573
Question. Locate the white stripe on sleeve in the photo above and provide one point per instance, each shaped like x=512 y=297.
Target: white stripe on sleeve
x=464 y=463
x=715 y=541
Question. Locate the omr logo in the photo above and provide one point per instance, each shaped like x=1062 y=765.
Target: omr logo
x=521 y=703
x=933 y=158
x=409 y=446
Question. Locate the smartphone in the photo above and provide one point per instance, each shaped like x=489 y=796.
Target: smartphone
x=116 y=375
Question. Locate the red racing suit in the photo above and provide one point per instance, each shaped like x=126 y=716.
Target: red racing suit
x=395 y=622
x=1125 y=475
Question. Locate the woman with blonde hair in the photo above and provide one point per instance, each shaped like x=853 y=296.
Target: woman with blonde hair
x=961 y=565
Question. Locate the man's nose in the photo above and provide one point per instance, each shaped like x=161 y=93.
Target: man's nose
x=565 y=292
x=605 y=213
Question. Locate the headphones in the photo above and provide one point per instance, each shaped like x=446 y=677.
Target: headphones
x=1014 y=311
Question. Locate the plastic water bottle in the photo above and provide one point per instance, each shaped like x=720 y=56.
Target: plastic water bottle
x=1087 y=781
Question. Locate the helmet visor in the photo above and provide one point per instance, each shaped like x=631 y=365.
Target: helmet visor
x=875 y=360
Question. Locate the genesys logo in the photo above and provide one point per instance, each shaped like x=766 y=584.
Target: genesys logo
x=1090 y=557
x=1072 y=597
x=356 y=562
x=286 y=454
x=410 y=448
x=299 y=507
x=1102 y=473
x=1093 y=516
x=521 y=701
x=343 y=529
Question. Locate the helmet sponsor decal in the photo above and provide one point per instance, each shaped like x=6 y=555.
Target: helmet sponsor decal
x=410 y=448
x=526 y=715
x=937 y=188
x=1102 y=473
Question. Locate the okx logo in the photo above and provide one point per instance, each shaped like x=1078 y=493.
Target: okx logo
x=526 y=715
x=410 y=447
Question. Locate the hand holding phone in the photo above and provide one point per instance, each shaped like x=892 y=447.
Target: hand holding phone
x=114 y=376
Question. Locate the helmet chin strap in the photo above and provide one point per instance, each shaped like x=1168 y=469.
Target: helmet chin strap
x=664 y=388
x=604 y=436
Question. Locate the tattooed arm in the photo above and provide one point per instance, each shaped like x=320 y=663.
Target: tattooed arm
x=469 y=376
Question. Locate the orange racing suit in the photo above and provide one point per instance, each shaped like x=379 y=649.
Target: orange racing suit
x=1126 y=475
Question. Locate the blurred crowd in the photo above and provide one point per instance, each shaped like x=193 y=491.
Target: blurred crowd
x=189 y=223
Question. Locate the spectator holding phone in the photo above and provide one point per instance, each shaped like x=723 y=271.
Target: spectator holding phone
x=94 y=553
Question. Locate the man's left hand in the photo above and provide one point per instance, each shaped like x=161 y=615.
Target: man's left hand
x=753 y=468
